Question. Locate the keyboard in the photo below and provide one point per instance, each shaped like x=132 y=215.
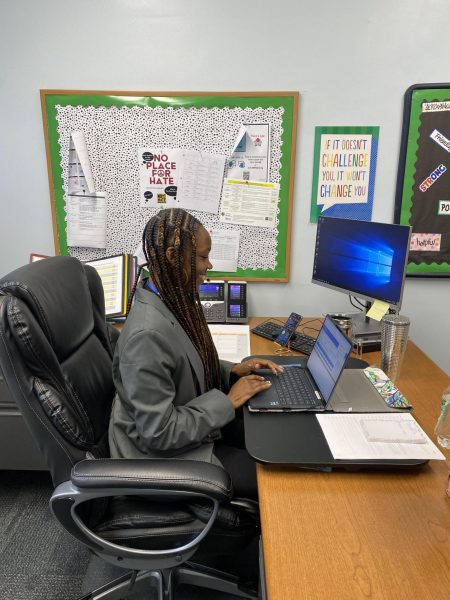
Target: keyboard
x=293 y=388
x=300 y=342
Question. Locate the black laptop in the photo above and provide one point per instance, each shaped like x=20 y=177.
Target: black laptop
x=309 y=386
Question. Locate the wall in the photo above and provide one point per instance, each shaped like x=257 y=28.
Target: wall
x=350 y=60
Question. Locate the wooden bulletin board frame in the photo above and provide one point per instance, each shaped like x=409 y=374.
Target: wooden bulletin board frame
x=287 y=100
x=423 y=178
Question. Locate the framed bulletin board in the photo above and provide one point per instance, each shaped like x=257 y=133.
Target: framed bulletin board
x=423 y=183
x=117 y=124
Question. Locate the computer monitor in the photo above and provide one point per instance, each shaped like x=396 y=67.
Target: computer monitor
x=363 y=259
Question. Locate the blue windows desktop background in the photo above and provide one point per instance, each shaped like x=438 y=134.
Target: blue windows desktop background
x=361 y=257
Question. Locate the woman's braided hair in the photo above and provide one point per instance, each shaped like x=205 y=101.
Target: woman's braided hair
x=175 y=227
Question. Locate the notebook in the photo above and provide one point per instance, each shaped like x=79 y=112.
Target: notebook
x=322 y=383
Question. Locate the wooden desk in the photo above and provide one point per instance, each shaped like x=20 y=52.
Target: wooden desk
x=368 y=534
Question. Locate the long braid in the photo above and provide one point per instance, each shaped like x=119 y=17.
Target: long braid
x=176 y=228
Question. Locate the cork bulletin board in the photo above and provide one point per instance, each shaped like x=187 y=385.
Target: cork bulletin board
x=115 y=124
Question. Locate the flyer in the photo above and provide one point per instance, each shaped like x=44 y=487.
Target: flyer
x=250 y=159
x=158 y=175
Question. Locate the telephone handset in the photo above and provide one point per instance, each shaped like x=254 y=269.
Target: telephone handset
x=212 y=298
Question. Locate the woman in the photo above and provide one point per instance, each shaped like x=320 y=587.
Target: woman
x=173 y=394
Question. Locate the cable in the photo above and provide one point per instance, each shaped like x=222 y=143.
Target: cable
x=355 y=305
x=305 y=324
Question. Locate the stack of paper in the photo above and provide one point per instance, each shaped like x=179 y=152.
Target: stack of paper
x=232 y=341
x=389 y=436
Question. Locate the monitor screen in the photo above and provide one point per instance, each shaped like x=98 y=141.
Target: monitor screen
x=362 y=258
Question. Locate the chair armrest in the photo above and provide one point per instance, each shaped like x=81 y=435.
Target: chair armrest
x=153 y=478
x=164 y=475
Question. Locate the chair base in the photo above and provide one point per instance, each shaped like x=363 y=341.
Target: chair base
x=164 y=583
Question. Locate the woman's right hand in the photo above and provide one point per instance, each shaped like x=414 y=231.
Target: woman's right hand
x=245 y=388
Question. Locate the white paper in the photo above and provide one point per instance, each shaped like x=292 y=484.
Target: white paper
x=86 y=219
x=238 y=142
x=232 y=341
x=249 y=203
x=158 y=176
x=139 y=254
x=250 y=159
x=347 y=440
x=393 y=430
x=224 y=250
x=200 y=181
x=111 y=273
x=79 y=165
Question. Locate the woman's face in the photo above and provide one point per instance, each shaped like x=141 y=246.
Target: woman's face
x=202 y=264
x=203 y=240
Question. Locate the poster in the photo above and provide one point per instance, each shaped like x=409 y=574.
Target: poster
x=158 y=177
x=344 y=172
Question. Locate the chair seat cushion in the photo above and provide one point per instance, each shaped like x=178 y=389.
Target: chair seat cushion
x=140 y=523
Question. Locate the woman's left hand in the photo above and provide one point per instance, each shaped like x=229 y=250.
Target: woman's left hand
x=252 y=365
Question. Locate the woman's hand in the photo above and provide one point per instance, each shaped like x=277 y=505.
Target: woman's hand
x=246 y=387
x=247 y=367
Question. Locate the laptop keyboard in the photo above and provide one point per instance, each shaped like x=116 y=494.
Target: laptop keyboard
x=300 y=342
x=294 y=389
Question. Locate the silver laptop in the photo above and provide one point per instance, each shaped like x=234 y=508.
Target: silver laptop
x=322 y=383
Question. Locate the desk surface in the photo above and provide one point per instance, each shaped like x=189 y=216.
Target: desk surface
x=369 y=534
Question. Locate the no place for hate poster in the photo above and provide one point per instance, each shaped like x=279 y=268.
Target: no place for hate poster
x=344 y=172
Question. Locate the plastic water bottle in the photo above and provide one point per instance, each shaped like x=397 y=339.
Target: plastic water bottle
x=442 y=429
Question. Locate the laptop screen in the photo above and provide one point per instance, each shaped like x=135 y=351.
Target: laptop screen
x=328 y=357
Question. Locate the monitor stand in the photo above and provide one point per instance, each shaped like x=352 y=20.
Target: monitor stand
x=363 y=326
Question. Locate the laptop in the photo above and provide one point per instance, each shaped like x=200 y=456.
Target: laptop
x=321 y=383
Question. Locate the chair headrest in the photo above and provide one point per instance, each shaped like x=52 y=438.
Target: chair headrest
x=56 y=290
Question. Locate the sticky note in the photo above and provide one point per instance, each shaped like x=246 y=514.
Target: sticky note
x=378 y=310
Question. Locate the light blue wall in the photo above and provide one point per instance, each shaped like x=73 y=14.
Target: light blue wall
x=351 y=61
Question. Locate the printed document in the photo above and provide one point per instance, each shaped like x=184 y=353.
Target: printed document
x=80 y=174
x=232 y=341
x=86 y=219
x=224 y=250
x=200 y=181
x=356 y=436
x=249 y=203
x=250 y=158
x=85 y=208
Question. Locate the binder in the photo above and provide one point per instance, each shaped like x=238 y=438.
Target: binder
x=117 y=274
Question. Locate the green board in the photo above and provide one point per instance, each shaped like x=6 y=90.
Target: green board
x=84 y=100
x=423 y=183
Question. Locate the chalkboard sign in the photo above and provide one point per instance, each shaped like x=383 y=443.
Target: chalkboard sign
x=116 y=124
x=423 y=183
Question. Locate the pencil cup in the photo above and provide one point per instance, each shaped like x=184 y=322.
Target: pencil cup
x=394 y=336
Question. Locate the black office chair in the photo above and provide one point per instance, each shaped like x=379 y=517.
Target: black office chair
x=148 y=516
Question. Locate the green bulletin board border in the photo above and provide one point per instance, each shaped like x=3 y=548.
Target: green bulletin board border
x=287 y=100
x=412 y=108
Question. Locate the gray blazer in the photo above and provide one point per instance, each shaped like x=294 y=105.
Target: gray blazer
x=161 y=408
